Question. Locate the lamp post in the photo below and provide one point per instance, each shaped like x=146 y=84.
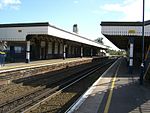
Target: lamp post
x=142 y=64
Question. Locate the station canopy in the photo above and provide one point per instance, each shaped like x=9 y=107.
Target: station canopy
x=20 y=31
x=119 y=33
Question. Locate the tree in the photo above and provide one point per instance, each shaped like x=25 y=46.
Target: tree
x=99 y=40
x=115 y=52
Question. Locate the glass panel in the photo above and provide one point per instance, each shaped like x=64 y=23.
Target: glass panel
x=56 y=48
x=17 y=49
x=50 y=48
x=61 y=48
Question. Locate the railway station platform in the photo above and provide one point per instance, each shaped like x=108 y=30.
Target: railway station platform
x=115 y=91
x=23 y=65
x=13 y=71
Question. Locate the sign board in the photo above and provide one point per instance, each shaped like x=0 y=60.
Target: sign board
x=132 y=31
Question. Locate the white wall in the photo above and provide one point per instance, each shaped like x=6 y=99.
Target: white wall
x=71 y=36
x=20 y=33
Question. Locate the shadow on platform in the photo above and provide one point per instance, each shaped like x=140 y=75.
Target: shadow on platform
x=128 y=96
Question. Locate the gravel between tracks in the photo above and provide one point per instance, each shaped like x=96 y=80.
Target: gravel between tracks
x=10 y=91
x=60 y=102
x=13 y=90
x=24 y=86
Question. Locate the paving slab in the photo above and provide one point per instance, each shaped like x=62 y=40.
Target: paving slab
x=128 y=96
x=39 y=63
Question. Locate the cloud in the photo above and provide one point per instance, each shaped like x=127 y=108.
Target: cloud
x=131 y=9
x=0 y=6
x=112 y=7
x=14 y=4
x=11 y=2
x=75 y=1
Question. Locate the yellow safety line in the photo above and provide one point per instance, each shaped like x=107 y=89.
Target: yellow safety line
x=110 y=96
x=111 y=91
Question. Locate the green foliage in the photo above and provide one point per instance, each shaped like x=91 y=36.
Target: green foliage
x=99 y=40
x=115 y=52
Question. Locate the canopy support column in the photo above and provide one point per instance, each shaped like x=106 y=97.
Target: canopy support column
x=131 y=55
x=81 y=51
x=91 y=52
x=64 y=51
x=28 y=52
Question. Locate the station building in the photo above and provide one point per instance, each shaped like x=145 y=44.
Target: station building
x=35 y=41
x=128 y=36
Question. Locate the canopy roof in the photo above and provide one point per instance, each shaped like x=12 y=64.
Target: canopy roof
x=119 y=33
x=19 y=32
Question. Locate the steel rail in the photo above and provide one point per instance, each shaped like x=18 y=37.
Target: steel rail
x=36 y=90
x=77 y=79
x=45 y=93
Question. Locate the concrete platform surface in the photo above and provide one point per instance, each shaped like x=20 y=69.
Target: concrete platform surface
x=115 y=92
x=39 y=63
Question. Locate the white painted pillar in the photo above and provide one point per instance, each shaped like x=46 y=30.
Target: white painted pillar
x=28 y=52
x=81 y=51
x=64 y=52
x=131 y=55
x=91 y=52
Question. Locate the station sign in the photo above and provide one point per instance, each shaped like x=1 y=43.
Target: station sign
x=132 y=31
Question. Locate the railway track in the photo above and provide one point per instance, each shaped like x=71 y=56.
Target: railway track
x=27 y=85
x=21 y=103
x=64 y=93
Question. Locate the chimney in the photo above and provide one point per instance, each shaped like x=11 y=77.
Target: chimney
x=75 y=28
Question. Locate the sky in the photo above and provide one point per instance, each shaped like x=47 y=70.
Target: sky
x=87 y=14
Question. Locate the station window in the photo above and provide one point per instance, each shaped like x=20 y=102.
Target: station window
x=50 y=48
x=56 y=48
x=61 y=48
x=18 y=49
x=69 y=49
x=8 y=48
x=72 y=50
